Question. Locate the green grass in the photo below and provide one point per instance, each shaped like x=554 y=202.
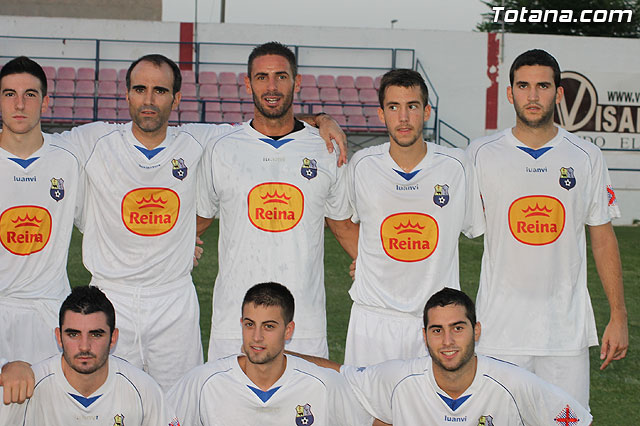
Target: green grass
x=614 y=392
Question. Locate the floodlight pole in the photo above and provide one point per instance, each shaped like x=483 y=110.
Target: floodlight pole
x=222 y=10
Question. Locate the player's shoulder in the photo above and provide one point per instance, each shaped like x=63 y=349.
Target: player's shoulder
x=326 y=376
x=370 y=153
x=393 y=372
x=47 y=368
x=447 y=153
x=204 y=133
x=208 y=372
x=483 y=141
x=132 y=376
x=506 y=373
x=582 y=144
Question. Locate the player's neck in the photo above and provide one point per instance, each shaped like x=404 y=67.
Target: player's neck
x=454 y=383
x=273 y=126
x=22 y=145
x=149 y=140
x=408 y=157
x=534 y=137
x=85 y=384
x=264 y=375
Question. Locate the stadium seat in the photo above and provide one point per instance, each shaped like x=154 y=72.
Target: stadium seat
x=66 y=73
x=231 y=107
x=308 y=80
x=326 y=81
x=64 y=93
x=240 y=79
x=207 y=77
x=107 y=103
x=368 y=96
x=122 y=75
x=121 y=88
x=246 y=107
x=50 y=72
x=329 y=94
x=51 y=86
x=62 y=114
x=370 y=111
x=213 y=117
x=188 y=77
x=209 y=91
x=376 y=82
x=123 y=104
x=189 y=104
x=107 y=74
x=349 y=95
x=345 y=82
x=341 y=120
x=107 y=114
x=242 y=93
x=107 y=88
x=228 y=91
x=246 y=116
x=352 y=110
x=364 y=82
x=83 y=115
x=189 y=117
x=85 y=91
x=232 y=117
x=123 y=114
x=189 y=90
x=332 y=109
x=227 y=77
x=212 y=107
x=356 y=123
x=309 y=94
x=86 y=74
x=173 y=117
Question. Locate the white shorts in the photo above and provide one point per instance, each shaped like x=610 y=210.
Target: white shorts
x=219 y=348
x=159 y=328
x=27 y=329
x=376 y=335
x=569 y=373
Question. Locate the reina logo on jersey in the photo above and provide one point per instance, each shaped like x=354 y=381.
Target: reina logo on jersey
x=409 y=237
x=25 y=230
x=304 y=416
x=275 y=206
x=150 y=211
x=536 y=219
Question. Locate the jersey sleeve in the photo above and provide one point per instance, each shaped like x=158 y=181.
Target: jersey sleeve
x=81 y=140
x=474 y=223
x=351 y=189
x=603 y=205
x=184 y=396
x=337 y=206
x=206 y=133
x=373 y=388
x=157 y=409
x=344 y=408
x=207 y=200
x=12 y=414
x=542 y=404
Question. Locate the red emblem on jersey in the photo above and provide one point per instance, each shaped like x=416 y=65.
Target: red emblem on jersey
x=611 y=196
x=567 y=417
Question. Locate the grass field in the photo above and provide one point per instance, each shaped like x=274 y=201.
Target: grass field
x=615 y=392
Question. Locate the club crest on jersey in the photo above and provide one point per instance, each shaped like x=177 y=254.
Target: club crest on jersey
x=174 y=422
x=304 y=416
x=567 y=179
x=309 y=168
x=485 y=421
x=567 y=417
x=57 y=189
x=118 y=420
x=179 y=169
x=441 y=195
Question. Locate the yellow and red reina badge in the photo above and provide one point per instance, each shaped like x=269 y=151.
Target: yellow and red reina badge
x=25 y=230
x=275 y=206
x=150 y=211
x=536 y=219
x=409 y=237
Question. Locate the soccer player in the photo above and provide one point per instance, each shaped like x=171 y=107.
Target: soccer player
x=264 y=385
x=454 y=385
x=139 y=219
x=412 y=200
x=272 y=182
x=540 y=186
x=86 y=382
x=40 y=196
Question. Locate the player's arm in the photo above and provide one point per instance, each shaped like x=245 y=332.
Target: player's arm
x=604 y=246
x=329 y=130
x=346 y=232
x=319 y=361
x=18 y=380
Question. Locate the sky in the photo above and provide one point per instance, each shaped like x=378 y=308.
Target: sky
x=460 y=15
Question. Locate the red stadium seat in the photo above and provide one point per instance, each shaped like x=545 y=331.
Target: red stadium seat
x=207 y=77
x=173 y=117
x=62 y=114
x=349 y=95
x=65 y=87
x=122 y=75
x=232 y=117
x=108 y=103
x=364 y=82
x=227 y=77
x=329 y=94
x=212 y=107
x=326 y=81
x=228 y=91
x=247 y=107
x=188 y=77
x=108 y=74
x=332 y=109
x=85 y=73
x=370 y=111
x=107 y=114
x=376 y=82
x=107 y=88
x=352 y=110
x=83 y=115
x=189 y=104
x=123 y=114
x=309 y=94
x=189 y=117
x=213 y=117
x=231 y=107
x=345 y=82
x=308 y=80
x=209 y=91
x=66 y=73
x=368 y=96
x=242 y=93
x=50 y=72
x=356 y=123
x=240 y=79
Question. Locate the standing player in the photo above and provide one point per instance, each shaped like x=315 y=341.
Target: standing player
x=454 y=385
x=412 y=199
x=272 y=183
x=541 y=185
x=264 y=385
x=86 y=383
x=41 y=190
x=139 y=220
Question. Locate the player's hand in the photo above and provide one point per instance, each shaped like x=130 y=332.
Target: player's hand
x=352 y=270
x=197 y=252
x=18 y=380
x=615 y=341
x=330 y=130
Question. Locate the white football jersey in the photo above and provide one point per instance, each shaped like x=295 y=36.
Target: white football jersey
x=271 y=197
x=405 y=393
x=128 y=397
x=39 y=198
x=410 y=224
x=219 y=393
x=139 y=219
x=532 y=297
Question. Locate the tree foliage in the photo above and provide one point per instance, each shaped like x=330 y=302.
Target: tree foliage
x=528 y=22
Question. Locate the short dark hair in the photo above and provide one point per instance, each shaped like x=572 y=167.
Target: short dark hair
x=87 y=300
x=271 y=294
x=403 y=78
x=273 y=48
x=21 y=65
x=536 y=57
x=157 y=60
x=449 y=296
